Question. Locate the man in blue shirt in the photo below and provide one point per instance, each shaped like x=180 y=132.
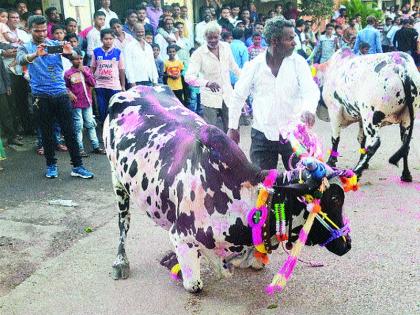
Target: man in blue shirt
x=239 y=51
x=369 y=35
x=51 y=101
x=259 y=27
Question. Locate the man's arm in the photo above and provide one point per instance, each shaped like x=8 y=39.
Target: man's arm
x=129 y=66
x=378 y=42
x=356 y=44
x=194 y=68
x=233 y=66
x=121 y=72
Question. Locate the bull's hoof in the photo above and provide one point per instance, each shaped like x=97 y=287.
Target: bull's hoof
x=195 y=286
x=406 y=177
x=120 y=268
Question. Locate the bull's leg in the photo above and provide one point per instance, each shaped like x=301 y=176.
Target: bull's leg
x=406 y=175
x=361 y=138
x=372 y=144
x=223 y=268
x=247 y=260
x=188 y=254
x=332 y=160
x=121 y=267
x=335 y=139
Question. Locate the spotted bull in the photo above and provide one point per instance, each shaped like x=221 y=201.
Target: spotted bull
x=193 y=181
x=373 y=90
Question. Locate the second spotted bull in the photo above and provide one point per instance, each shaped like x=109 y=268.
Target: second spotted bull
x=193 y=181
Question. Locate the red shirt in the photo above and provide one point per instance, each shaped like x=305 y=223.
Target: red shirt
x=80 y=84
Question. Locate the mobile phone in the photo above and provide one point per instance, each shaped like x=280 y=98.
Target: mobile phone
x=54 y=49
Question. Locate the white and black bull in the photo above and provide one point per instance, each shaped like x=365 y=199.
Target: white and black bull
x=373 y=90
x=193 y=181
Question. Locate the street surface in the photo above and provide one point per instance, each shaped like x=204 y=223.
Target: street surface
x=57 y=260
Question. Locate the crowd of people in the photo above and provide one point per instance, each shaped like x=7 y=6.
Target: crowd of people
x=56 y=80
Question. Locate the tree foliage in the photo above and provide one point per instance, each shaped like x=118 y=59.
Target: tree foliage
x=364 y=9
x=319 y=9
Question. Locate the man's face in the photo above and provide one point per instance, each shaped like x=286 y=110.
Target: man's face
x=364 y=50
x=74 y=42
x=148 y=39
x=132 y=19
x=339 y=31
x=38 y=12
x=139 y=31
x=71 y=27
x=245 y=14
x=329 y=31
x=279 y=9
x=14 y=20
x=100 y=21
x=285 y=43
x=256 y=40
x=184 y=13
x=241 y=26
x=156 y=3
x=141 y=14
x=3 y=17
x=106 y=4
x=172 y=53
x=39 y=32
x=156 y=52
x=117 y=28
x=108 y=40
x=176 y=11
x=213 y=12
x=59 y=34
x=169 y=24
x=180 y=28
x=235 y=11
x=54 y=16
x=225 y=13
x=388 y=22
x=207 y=18
x=359 y=19
x=22 y=8
x=213 y=40
x=259 y=28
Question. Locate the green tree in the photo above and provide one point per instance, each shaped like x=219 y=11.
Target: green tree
x=319 y=9
x=364 y=9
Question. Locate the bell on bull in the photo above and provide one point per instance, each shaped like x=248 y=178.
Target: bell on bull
x=196 y=183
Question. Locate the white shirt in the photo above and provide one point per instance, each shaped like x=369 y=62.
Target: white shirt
x=163 y=45
x=109 y=15
x=93 y=39
x=278 y=102
x=139 y=64
x=199 y=33
x=121 y=44
x=204 y=67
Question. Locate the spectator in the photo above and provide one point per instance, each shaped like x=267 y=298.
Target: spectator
x=291 y=12
x=224 y=20
x=176 y=14
x=300 y=38
x=406 y=38
x=358 y=24
x=387 y=46
x=121 y=37
x=50 y=95
x=274 y=97
x=227 y=37
x=364 y=49
x=278 y=9
x=71 y=25
x=153 y=13
x=209 y=68
x=239 y=51
x=6 y=36
x=79 y=82
x=108 y=69
x=341 y=19
x=144 y=72
x=189 y=24
x=183 y=42
x=369 y=35
x=73 y=39
x=142 y=18
x=194 y=103
x=253 y=13
x=165 y=37
x=94 y=36
x=200 y=27
x=21 y=7
x=109 y=14
x=256 y=48
x=130 y=20
x=395 y=27
x=172 y=70
x=159 y=62
x=340 y=38
x=53 y=18
x=148 y=37
x=6 y=119
x=37 y=11
x=350 y=34
x=259 y=27
x=326 y=46
x=234 y=14
x=58 y=32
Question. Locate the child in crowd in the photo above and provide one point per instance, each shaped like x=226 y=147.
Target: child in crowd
x=6 y=35
x=79 y=81
x=108 y=69
x=148 y=37
x=159 y=62
x=59 y=33
x=93 y=37
x=194 y=99
x=255 y=49
x=172 y=69
x=364 y=48
x=74 y=41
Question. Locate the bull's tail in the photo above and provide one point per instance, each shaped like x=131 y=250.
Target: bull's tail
x=409 y=101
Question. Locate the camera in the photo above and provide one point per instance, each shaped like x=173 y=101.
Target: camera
x=54 y=49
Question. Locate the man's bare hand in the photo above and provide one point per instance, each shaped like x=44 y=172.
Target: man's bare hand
x=9 y=53
x=72 y=97
x=308 y=119
x=67 y=49
x=40 y=50
x=213 y=86
x=234 y=135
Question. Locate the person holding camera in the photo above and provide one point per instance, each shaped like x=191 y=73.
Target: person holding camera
x=51 y=101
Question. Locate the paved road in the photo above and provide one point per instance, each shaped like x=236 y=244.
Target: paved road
x=51 y=265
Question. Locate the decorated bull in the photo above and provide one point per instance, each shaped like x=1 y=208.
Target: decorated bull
x=373 y=90
x=193 y=181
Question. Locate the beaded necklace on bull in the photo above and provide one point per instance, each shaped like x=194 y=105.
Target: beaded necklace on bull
x=304 y=145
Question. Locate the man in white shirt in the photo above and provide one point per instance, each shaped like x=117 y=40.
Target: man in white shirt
x=140 y=67
x=93 y=38
x=165 y=37
x=109 y=14
x=200 y=27
x=209 y=68
x=284 y=93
